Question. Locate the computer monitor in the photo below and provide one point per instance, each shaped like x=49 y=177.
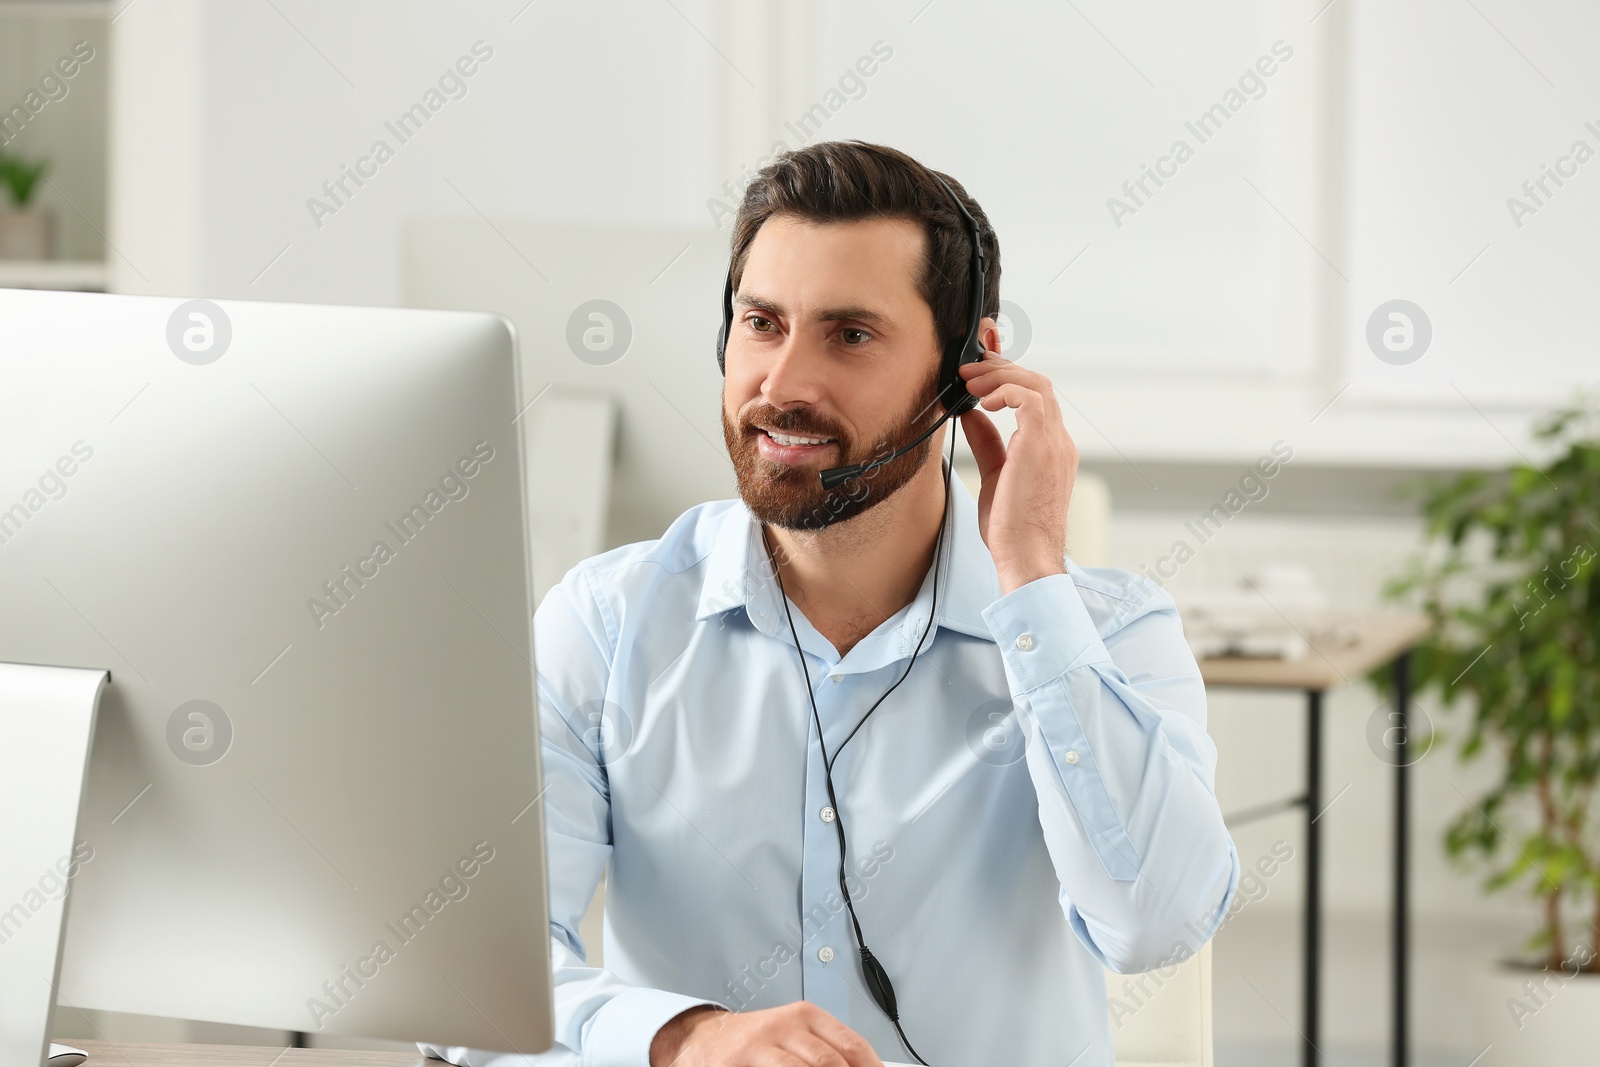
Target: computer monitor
x=296 y=537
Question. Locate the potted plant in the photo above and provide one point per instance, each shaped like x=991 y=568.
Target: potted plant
x=24 y=232
x=1511 y=578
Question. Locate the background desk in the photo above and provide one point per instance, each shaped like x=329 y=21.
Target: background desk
x=136 y=1054
x=1382 y=638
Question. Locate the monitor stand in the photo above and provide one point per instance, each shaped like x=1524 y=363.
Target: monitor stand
x=47 y=717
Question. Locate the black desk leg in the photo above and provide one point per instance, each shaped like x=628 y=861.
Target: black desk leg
x=1402 y=857
x=1313 y=916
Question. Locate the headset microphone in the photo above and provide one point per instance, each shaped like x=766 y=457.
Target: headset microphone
x=968 y=350
x=836 y=476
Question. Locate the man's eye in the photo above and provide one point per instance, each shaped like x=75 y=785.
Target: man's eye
x=853 y=336
x=757 y=322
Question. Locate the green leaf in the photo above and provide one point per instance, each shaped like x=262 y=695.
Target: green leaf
x=1508 y=575
x=21 y=178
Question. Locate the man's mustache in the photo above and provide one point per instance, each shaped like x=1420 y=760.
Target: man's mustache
x=789 y=424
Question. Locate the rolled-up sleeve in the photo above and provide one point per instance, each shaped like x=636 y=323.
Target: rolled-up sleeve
x=1121 y=763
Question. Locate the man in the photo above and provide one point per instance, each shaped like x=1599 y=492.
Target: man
x=1034 y=803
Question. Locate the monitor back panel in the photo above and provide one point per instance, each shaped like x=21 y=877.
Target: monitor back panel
x=312 y=795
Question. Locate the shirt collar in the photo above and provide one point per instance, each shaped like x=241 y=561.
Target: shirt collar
x=737 y=573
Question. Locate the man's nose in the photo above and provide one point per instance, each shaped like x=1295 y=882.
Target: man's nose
x=795 y=373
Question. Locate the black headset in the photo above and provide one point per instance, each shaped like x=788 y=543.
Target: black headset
x=953 y=392
x=970 y=350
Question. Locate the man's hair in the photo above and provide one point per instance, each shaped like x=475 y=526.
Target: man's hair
x=843 y=181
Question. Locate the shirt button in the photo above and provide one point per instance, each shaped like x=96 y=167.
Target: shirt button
x=1072 y=755
x=1025 y=642
x=828 y=814
x=835 y=677
x=824 y=953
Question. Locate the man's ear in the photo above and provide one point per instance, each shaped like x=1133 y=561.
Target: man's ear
x=989 y=333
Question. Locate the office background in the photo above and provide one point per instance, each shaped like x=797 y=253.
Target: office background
x=596 y=151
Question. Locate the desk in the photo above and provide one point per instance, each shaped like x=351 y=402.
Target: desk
x=1382 y=639
x=130 y=1054
x=136 y=1054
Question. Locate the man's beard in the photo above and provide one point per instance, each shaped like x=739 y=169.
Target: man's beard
x=792 y=497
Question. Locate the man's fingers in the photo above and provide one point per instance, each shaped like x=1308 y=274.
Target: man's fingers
x=773 y=1056
x=813 y=1050
x=796 y=1035
x=855 y=1049
x=983 y=437
x=1030 y=381
x=1012 y=395
x=988 y=375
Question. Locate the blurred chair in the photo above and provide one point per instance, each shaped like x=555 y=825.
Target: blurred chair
x=1088 y=515
x=571 y=449
x=1160 y=1021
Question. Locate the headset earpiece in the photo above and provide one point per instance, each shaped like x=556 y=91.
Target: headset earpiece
x=727 y=323
x=970 y=349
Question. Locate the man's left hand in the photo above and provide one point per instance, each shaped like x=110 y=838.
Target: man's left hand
x=1026 y=482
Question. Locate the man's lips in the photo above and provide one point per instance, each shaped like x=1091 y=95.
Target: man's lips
x=771 y=449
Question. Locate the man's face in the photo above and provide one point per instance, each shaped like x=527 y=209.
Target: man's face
x=831 y=342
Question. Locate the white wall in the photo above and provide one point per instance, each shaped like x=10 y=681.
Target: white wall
x=577 y=103
x=1230 y=310
x=1454 y=107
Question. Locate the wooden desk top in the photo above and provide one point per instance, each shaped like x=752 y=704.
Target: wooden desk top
x=136 y=1054
x=1382 y=637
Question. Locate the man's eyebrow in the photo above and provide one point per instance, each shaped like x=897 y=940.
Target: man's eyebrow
x=838 y=314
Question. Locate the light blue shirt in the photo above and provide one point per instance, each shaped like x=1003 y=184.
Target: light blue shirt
x=1034 y=803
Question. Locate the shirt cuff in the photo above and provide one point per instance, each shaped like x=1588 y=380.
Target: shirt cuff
x=621 y=1032
x=1043 y=630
